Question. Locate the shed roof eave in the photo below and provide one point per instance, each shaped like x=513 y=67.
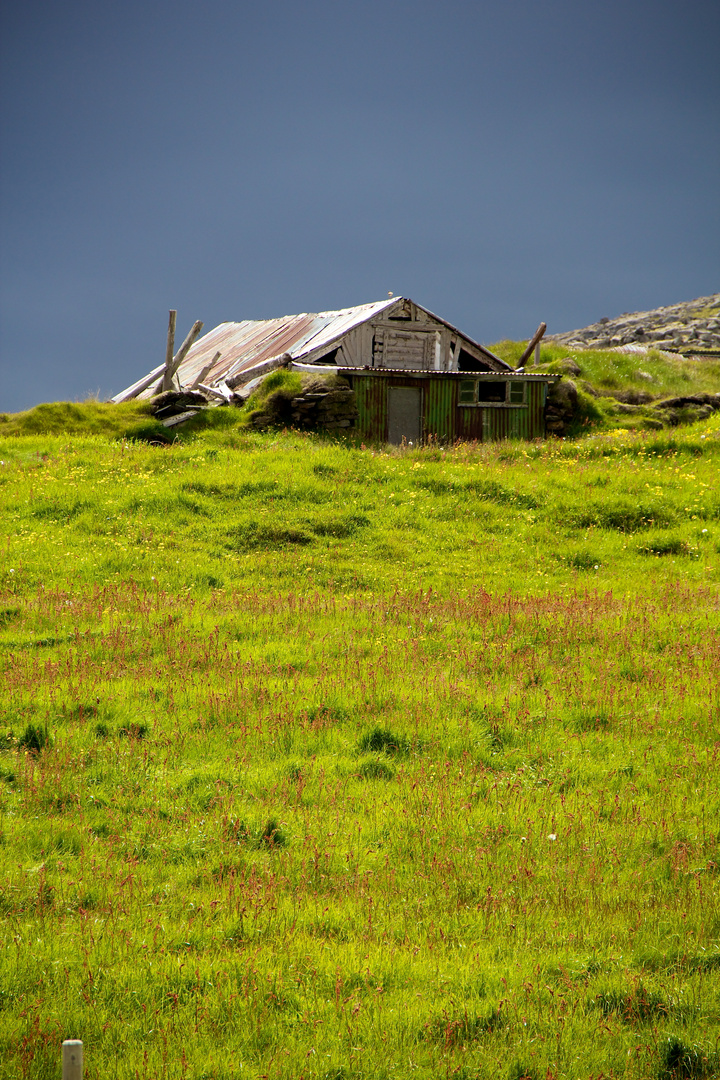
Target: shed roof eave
x=485 y=376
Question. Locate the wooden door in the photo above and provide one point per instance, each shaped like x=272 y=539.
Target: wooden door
x=404 y=412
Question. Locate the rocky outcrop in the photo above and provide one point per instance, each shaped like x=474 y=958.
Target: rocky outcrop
x=565 y=410
x=691 y=327
x=686 y=409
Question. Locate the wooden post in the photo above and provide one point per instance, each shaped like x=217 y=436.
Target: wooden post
x=72 y=1059
x=170 y=348
x=180 y=355
x=534 y=340
x=537 y=354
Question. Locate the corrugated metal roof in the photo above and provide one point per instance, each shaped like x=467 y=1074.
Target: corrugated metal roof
x=242 y=345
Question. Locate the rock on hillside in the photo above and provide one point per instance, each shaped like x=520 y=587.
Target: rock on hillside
x=688 y=327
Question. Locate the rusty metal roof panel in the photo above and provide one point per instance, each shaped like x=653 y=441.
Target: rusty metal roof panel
x=243 y=344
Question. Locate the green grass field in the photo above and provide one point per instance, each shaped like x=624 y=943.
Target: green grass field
x=320 y=761
x=606 y=370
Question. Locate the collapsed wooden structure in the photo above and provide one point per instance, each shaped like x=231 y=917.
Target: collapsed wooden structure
x=413 y=375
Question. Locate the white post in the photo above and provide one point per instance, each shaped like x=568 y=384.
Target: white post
x=72 y=1059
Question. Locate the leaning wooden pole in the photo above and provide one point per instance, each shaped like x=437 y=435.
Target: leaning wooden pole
x=180 y=355
x=534 y=340
x=206 y=371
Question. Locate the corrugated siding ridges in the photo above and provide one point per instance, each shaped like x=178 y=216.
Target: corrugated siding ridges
x=443 y=417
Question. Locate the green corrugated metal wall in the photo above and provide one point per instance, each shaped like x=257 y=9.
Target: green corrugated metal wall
x=371 y=398
x=443 y=418
x=438 y=408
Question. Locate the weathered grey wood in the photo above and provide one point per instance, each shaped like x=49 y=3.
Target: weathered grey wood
x=205 y=371
x=534 y=340
x=187 y=344
x=180 y=418
x=480 y=353
x=72 y=1059
x=444 y=349
x=405 y=349
x=264 y=367
x=453 y=353
x=237 y=375
x=139 y=386
x=352 y=349
x=408 y=325
x=220 y=390
x=485 y=354
x=322 y=350
x=364 y=350
x=317 y=369
x=181 y=354
x=170 y=347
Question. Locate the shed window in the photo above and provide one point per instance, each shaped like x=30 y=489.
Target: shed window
x=486 y=392
x=491 y=391
x=467 y=391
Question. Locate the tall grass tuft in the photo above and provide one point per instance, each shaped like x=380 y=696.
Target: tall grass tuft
x=679 y=1061
x=34 y=739
x=382 y=740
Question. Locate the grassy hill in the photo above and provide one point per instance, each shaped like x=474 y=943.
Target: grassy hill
x=638 y=388
x=616 y=391
x=321 y=761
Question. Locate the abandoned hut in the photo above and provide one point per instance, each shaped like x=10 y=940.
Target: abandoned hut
x=407 y=374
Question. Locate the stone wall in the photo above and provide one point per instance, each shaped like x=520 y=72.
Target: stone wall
x=324 y=408
x=560 y=407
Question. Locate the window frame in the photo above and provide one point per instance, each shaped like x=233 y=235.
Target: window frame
x=478 y=404
x=473 y=384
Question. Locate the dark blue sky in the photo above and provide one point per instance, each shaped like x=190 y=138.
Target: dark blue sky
x=500 y=163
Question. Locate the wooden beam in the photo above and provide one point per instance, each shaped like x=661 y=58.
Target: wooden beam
x=180 y=355
x=325 y=369
x=206 y=371
x=262 y=368
x=139 y=386
x=534 y=340
x=220 y=391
